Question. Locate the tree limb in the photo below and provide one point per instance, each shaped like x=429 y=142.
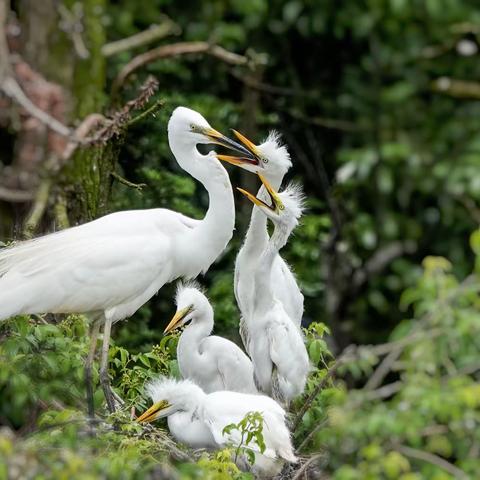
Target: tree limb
x=173 y=50
x=155 y=32
x=431 y=458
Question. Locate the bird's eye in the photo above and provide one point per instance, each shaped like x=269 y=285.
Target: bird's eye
x=192 y=127
x=265 y=160
x=281 y=207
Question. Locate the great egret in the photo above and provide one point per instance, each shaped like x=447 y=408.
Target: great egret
x=273 y=163
x=198 y=420
x=110 y=267
x=212 y=362
x=275 y=344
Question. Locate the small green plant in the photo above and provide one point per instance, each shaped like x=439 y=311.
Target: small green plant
x=250 y=433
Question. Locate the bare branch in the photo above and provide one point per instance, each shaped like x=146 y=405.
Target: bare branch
x=155 y=32
x=382 y=370
x=15 y=196
x=173 y=50
x=303 y=469
x=431 y=458
x=456 y=88
x=13 y=90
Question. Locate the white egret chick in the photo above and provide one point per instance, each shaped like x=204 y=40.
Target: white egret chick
x=214 y=363
x=108 y=268
x=198 y=420
x=273 y=163
x=275 y=344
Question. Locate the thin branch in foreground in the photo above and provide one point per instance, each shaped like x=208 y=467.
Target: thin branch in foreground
x=15 y=196
x=433 y=459
x=304 y=468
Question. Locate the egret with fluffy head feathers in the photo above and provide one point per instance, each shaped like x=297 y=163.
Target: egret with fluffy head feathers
x=213 y=363
x=110 y=267
x=273 y=163
x=275 y=344
x=198 y=420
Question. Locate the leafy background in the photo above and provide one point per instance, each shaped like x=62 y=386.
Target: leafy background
x=378 y=102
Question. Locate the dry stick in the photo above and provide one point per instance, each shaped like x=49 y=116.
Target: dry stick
x=181 y=48
x=306 y=465
x=11 y=195
x=13 y=90
x=307 y=439
x=382 y=370
x=155 y=32
x=38 y=208
x=320 y=385
x=431 y=458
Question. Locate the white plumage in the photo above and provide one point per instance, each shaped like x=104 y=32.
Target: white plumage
x=274 y=164
x=185 y=404
x=214 y=363
x=275 y=343
x=111 y=266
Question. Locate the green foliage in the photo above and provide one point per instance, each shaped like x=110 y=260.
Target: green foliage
x=250 y=430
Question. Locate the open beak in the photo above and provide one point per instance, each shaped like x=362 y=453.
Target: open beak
x=157 y=410
x=276 y=202
x=249 y=154
x=176 y=321
x=245 y=156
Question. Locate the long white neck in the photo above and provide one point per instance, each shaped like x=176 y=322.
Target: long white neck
x=257 y=234
x=188 y=349
x=207 y=241
x=263 y=285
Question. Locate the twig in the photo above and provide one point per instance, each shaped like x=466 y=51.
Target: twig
x=175 y=49
x=431 y=458
x=383 y=368
x=380 y=259
x=13 y=90
x=303 y=469
x=456 y=88
x=11 y=195
x=307 y=439
x=341 y=359
x=155 y=32
x=150 y=110
x=38 y=208
x=124 y=181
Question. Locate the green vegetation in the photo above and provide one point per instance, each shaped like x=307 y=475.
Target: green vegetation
x=378 y=101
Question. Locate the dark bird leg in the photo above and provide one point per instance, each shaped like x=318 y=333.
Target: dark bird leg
x=104 y=379
x=94 y=330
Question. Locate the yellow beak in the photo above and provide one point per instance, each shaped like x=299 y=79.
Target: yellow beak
x=177 y=318
x=277 y=203
x=153 y=412
x=246 y=156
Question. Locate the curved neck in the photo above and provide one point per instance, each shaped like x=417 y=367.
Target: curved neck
x=188 y=350
x=207 y=240
x=263 y=283
x=257 y=234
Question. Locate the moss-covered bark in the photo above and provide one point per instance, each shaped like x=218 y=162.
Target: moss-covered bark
x=85 y=180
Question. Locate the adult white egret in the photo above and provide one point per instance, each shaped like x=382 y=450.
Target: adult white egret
x=198 y=419
x=213 y=363
x=273 y=163
x=275 y=344
x=110 y=267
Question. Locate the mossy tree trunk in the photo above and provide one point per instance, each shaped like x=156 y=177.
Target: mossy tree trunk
x=62 y=41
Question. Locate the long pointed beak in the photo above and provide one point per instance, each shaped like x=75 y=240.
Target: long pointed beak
x=153 y=412
x=247 y=153
x=276 y=202
x=218 y=138
x=177 y=319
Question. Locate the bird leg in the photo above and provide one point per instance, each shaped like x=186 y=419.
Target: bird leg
x=104 y=379
x=94 y=330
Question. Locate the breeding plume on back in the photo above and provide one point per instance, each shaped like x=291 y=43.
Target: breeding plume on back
x=111 y=266
x=212 y=362
x=198 y=419
x=273 y=163
x=275 y=344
